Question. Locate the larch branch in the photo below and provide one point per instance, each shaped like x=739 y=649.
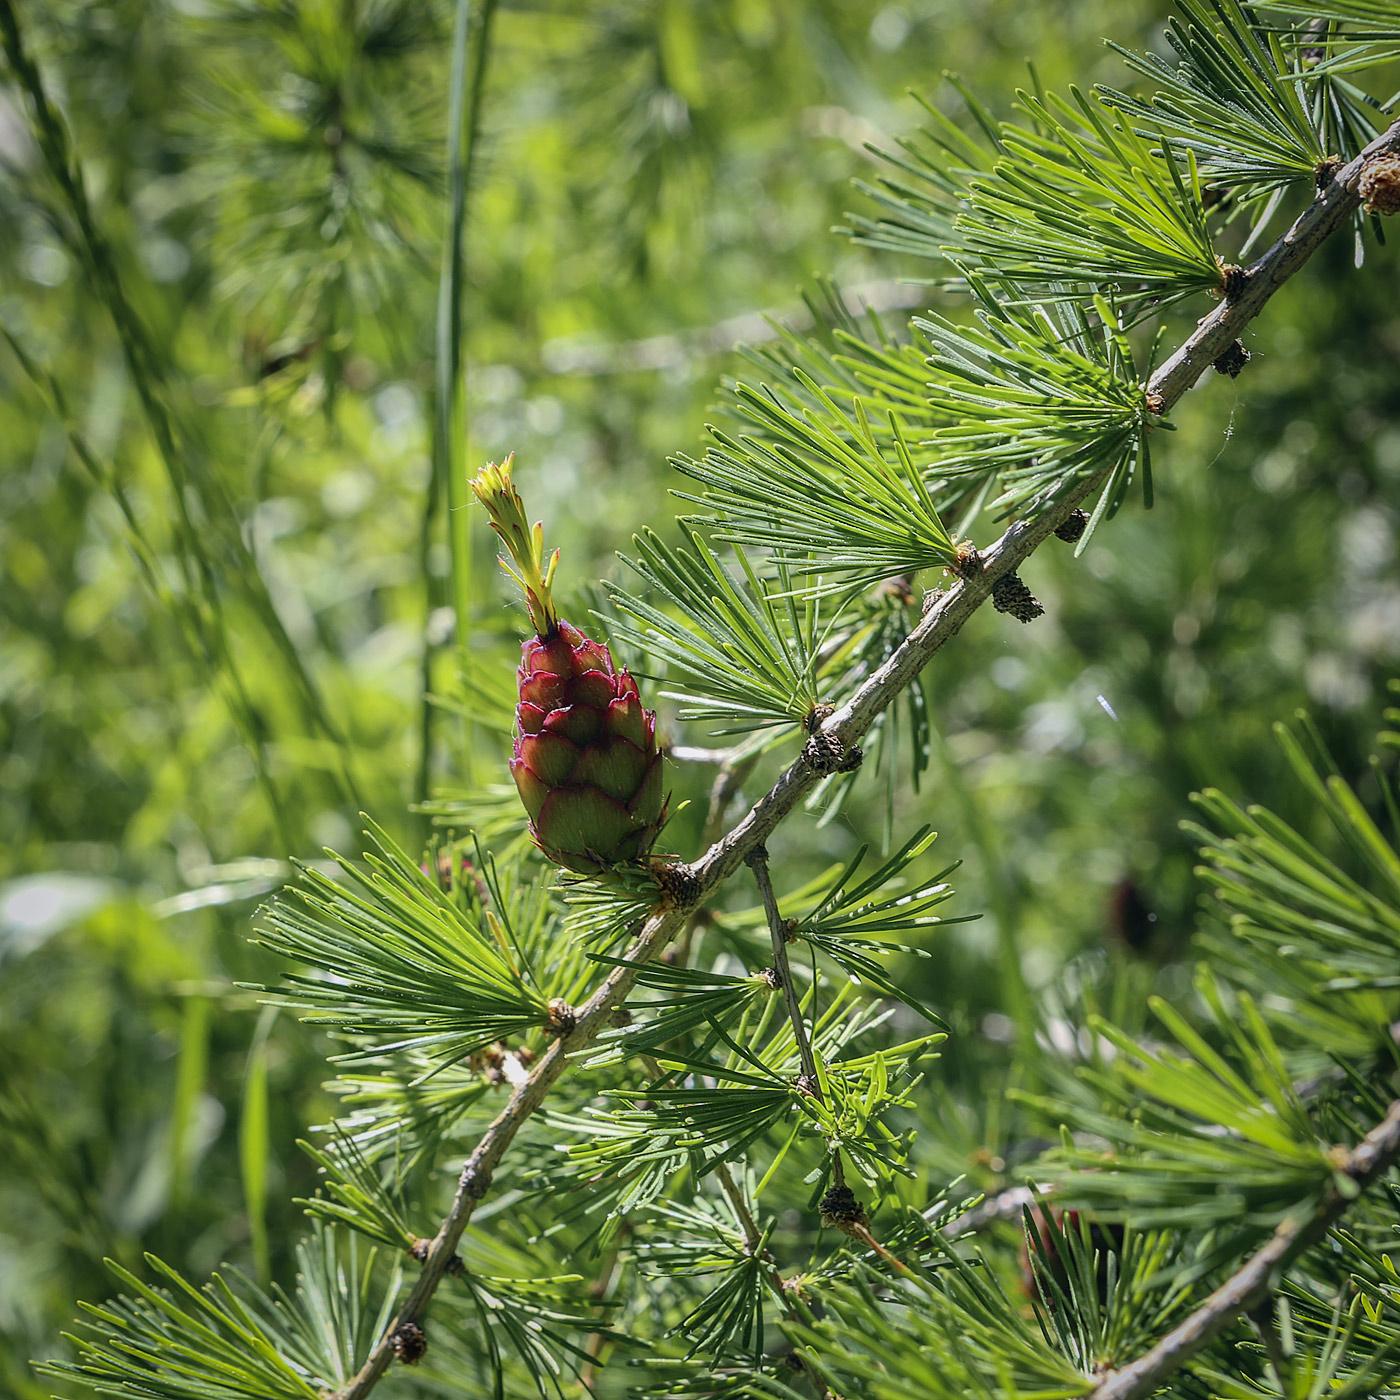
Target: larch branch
x=1377 y=1152
x=848 y=725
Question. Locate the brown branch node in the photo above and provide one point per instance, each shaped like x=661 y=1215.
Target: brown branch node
x=1071 y=529
x=1010 y=595
x=827 y=755
x=562 y=1018
x=678 y=884
x=967 y=563
x=1379 y=185
x=1233 y=280
x=840 y=1208
x=1232 y=359
x=409 y=1343
x=1325 y=171
x=475 y=1183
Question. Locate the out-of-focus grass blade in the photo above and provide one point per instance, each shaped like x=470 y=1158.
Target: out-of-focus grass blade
x=253 y=1144
x=190 y=1074
x=450 y=421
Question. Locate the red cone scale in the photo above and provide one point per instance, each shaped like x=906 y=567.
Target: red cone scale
x=586 y=761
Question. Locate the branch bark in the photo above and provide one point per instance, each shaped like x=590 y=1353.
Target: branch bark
x=844 y=729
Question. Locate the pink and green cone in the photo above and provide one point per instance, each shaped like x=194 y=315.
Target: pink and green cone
x=586 y=761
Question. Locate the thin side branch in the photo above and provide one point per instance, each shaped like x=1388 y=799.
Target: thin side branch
x=753 y=1236
x=758 y=863
x=753 y=1243
x=848 y=725
x=1377 y=1152
x=810 y=1081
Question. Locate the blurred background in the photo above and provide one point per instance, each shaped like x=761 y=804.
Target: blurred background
x=212 y=659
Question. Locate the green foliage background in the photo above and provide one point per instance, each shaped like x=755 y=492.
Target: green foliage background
x=649 y=177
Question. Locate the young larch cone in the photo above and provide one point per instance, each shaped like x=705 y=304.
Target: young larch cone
x=586 y=761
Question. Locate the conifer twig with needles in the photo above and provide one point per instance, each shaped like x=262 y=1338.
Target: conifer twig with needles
x=753 y=1242
x=1378 y=1151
